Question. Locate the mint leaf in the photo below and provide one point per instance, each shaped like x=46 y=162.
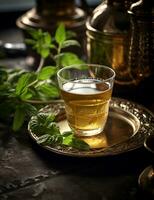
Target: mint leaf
x=70 y=34
x=45 y=118
x=30 y=41
x=29 y=109
x=14 y=75
x=35 y=33
x=44 y=52
x=53 y=129
x=3 y=75
x=67 y=140
x=69 y=59
x=43 y=139
x=47 y=38
x=48 y=139
x=69 y=43
x=47 y=130
x=60 y=35
x=49 y=90
x=23 y=82
x=26 y=94
x=67 y=133
x=35 y=126
x=18 y=119
x=41 y=42
x=79 y=144
x=46 y=73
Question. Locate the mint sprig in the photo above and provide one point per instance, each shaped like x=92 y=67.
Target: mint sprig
x=19 y=86
x=52 y=47
x=48 y=133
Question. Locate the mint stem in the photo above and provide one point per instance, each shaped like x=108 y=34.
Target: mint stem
x=42 y=60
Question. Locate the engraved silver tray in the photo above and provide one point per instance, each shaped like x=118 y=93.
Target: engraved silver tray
x=127 y=126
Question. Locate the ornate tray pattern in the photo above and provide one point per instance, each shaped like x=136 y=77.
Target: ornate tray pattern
x=146 y=126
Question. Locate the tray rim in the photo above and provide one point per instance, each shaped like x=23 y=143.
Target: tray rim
x=126 y=145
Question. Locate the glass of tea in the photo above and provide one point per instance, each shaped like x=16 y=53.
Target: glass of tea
x=86 y=90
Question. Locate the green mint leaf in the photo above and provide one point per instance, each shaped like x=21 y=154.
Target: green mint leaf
x=44 y=52
x=30 y=41
x=60 y=35
x=67 y=140
x=44 y=123
x=48 y=132
x=47 y=38
x=69 y=43
x=18 y=119
x=49 y=90
x=23 y=82
x=35 y=33
x=42 y=117
x=5 y=89
x=67 y=133
x=45 y=118
x=41 y=42
x=35 y=126
x=49 y=139
x=52 y=46
x=46 y=73
x=29 y=109
x=69 y=59
x=26 y=94
x=43 y=139
x=14 y=75
x=70 y=34
x=79 y=144
x=53 y=128
x=3 y=75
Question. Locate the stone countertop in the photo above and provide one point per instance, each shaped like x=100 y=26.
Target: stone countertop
x=30 y=172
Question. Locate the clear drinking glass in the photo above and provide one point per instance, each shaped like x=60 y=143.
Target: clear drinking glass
x=86 y=90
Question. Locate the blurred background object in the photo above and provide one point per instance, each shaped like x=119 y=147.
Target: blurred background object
x=15 y=5
x=43 y=15
x=142 y=40
x=108 y=32
x=47 y=14
x=11 y=10
x=125 y=41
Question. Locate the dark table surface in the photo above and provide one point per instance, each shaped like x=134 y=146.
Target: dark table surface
x=29 y=172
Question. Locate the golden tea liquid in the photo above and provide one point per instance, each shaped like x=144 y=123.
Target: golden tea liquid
x=86 y=105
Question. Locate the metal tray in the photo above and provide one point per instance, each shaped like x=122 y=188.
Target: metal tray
x=127 y=126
